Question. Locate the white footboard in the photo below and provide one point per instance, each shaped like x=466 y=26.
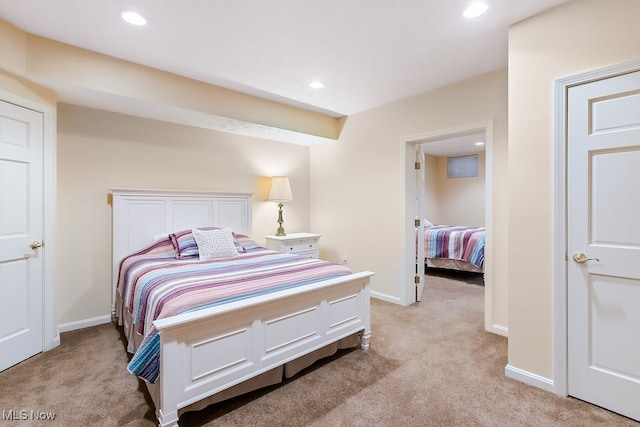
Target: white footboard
x=207 y=351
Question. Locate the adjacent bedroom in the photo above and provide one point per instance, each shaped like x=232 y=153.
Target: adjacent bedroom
x=453 y=203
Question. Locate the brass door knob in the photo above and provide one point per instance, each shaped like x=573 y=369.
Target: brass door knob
x=581 y=258
x=35 y=245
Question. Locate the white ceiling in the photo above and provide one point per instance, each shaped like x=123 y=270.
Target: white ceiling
x=368 y=52
x=455 y=146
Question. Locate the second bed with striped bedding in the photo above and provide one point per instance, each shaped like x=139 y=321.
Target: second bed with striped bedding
x=455 y=242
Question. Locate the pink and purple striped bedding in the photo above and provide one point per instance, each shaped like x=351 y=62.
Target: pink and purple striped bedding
x=455 y=242
x=154 y=284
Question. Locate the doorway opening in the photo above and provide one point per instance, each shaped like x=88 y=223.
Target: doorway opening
x=438 y=142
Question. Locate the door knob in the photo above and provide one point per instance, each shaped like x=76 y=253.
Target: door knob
x=35 y=245
x=581 y=258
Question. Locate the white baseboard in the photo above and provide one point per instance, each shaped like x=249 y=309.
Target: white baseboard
x=499 y=330
x=53 y=343
x=385 y=297
x=529 y=378
x=86 y=323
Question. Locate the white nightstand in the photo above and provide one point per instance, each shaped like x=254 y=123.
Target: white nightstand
x=304 y=244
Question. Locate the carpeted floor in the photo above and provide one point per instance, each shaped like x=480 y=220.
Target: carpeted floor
x=430 y=364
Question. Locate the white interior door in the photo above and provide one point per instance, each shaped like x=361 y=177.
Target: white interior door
x=21 y=223
x=419 y=213
x=603 y=197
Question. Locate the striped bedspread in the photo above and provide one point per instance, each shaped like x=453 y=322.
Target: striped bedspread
x=153 y=284
x=455 y=242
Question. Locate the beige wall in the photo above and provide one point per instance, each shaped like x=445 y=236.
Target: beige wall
x=14 y=85
x=362 y=178
x=461 y=201
x=13 y=48
x=431 y=189
x=98 y=150
x=577 y=37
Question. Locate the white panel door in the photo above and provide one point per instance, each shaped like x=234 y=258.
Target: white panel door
x=21 y=224
x=603 y=196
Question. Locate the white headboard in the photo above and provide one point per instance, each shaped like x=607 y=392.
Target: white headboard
x=140 y=215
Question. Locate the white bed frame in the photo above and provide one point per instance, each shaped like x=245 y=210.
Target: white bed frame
x=208 y=351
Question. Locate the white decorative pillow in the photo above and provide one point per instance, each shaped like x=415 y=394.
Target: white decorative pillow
x=213 y=244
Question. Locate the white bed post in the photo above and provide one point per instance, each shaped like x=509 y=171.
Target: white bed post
x=366 y=333
x=167 y=413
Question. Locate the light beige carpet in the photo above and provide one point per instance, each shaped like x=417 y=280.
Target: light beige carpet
x=430 y=364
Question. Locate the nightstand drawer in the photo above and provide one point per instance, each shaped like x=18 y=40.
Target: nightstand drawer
x=306 y=254
x=301 y=245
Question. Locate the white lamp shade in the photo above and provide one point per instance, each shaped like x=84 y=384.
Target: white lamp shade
x=280 y=189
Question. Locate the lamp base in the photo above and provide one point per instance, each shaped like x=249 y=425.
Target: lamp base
x=280 y=230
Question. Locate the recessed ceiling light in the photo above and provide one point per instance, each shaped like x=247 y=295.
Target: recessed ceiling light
x=316 y=85
x=479 y=143
x=133 y=18
x=476 y=9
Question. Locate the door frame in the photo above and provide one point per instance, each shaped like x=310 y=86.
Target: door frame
x=560 y=249
x=50 y=333
x=409 y=146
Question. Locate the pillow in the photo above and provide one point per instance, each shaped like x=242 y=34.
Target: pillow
x=214 y=244
x=243 y=243
x=186 y=247
x=184 y=244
